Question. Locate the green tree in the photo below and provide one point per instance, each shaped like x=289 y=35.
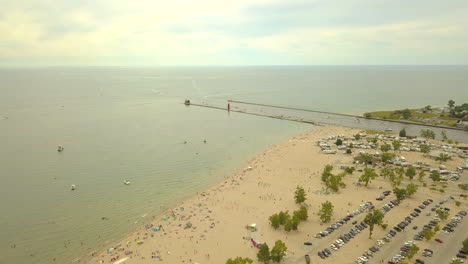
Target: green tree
x=394 y=179
x=326 y=173
x=428 y=234
x=275 y=221
x=278 y=251
x=366 y=158
x=425 y=148
x=357 y=136
x=374 y=217
x=427 y=133
x=412 y=251
x=396 y=145
x=443 y=157
x=406 y=113
x=239 y=260
x=421 y=175
x=283 y=216
x=451 y=103
x=465 y=244
x=350 y=170
x=410 y=172
x=400 y=172
x=402 y=133
x=387 y=157
x=399 y=193
x=437 y=228
x=301 y=213
x=385 y=172
x=299 y=195
x=263 y=254
x=435 y=176
x=326 y=212
x=442 y=214
x=385 y=147
x=339 y=142
x=368 y=175
x=335 y=182
x=411 y=189
x=443 y=134
x=456 y=261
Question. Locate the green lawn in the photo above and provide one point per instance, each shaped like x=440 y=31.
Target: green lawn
x=396 y=115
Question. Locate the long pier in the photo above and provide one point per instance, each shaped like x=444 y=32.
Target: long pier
x=315 y=117
x=348 y=115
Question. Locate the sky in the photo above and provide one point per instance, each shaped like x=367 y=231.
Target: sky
x=241 y=32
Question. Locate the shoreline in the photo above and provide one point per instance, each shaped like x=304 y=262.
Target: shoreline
x=210 y=226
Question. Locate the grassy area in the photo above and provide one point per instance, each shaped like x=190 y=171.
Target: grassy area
x=443 y=118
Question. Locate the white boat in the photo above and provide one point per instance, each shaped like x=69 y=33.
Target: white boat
x=73 y=187
x=126 y=182
x=60 y=148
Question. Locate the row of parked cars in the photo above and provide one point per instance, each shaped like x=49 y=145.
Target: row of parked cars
x=342 y=240
x=383 y=195
x=364 y=258
x=449 y=227
x=344 y=220
x=432 y=223
x=402 y=253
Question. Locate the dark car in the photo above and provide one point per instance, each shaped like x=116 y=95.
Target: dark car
x=439 y=240
x=417 y=210
x=320 y=253
x=327 y=251
x=419 y=261
x=397 y=228
x=461 y=255
x=308 y=243
x=415 y=227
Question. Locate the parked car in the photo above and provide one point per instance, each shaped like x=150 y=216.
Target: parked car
x=439 y=240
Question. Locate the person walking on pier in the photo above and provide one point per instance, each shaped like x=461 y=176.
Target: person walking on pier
x=229 y=107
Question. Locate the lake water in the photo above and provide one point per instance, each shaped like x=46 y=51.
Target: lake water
x=130 y=124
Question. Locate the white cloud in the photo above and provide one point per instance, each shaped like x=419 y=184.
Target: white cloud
x=138 y=32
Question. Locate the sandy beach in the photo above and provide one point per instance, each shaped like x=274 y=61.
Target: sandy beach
x=211 y=227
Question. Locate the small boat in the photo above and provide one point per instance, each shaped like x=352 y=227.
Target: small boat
x=126 y=182
x=60 y=148
x=73 y=187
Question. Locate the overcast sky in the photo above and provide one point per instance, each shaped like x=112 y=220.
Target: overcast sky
x=240 y=32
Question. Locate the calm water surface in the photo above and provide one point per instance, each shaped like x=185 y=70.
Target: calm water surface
x=129 y=123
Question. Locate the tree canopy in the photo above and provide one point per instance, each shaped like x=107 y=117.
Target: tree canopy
x=263 y=254
x=374 y=217
x=396 y=144
x=399 y=193
x=411 y=189
x=278 y=251
x=326 y=212
x=385 y=147
x=299 y=194
x=368 y=175
x=410 y=172
x=427 y=133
